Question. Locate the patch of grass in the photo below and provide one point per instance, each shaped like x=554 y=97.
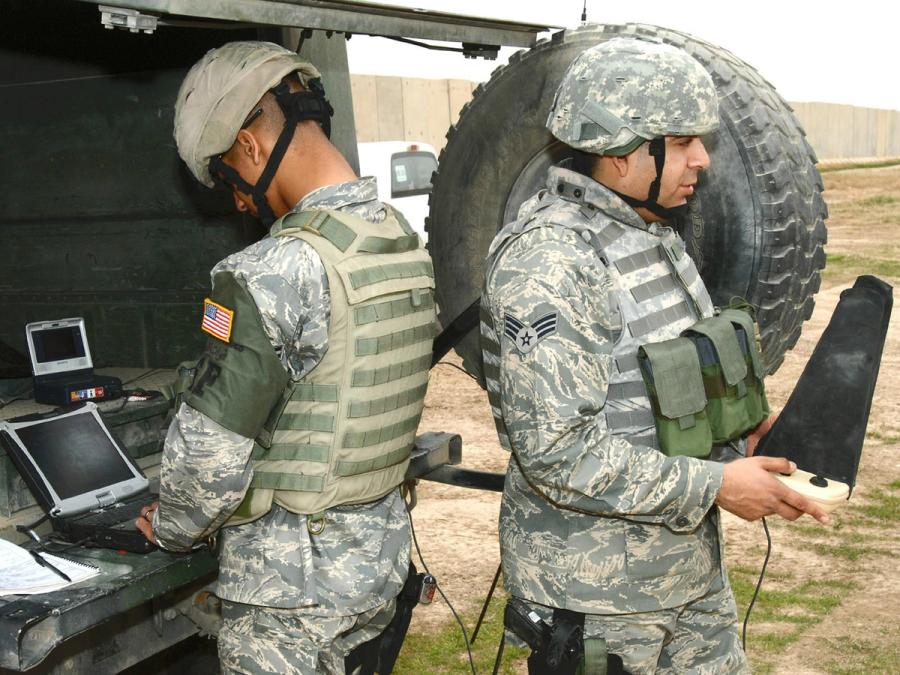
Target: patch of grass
x=840 y=264
x=861 y=655
x=840 y=550
x=443 y=651
x=884 y=506
x=782 y=616
x=877 y=200
x=883 y=438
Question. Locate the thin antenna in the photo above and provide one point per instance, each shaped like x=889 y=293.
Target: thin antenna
x=584 y=13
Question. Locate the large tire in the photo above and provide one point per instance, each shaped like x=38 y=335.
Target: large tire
x=756 y=228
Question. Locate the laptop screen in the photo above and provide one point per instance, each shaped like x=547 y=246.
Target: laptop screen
x=73 y=461
x=57 y=344
x=74 y=454
x=58 y=347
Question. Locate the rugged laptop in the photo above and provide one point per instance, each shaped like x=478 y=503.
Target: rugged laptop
x=80 y=474
x=62 y=366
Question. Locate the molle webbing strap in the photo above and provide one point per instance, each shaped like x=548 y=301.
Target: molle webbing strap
x=391 y=309
x=323 y=224
x=395 y=371
x=649 y=440
x=640 y=260
x=401 y=219
x=365 y=439
x=650 y=289
x=658 y=319
x=608 y=234
x=287 y=481
x=353 y=468
x=396 y=340
x=305 y=452
x=307 y=421
x=626 y=363
x=618 y=391
x=623 y=419
x=408 y=242
x=307 y=391
x=689 y=276
x=386 y=404
x=405 y=270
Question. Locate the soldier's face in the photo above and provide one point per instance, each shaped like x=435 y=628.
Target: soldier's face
x=685 y=159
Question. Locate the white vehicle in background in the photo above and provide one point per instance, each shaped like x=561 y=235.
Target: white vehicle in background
x=403 y=170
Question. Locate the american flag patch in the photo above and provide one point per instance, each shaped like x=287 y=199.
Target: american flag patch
x=217 y=320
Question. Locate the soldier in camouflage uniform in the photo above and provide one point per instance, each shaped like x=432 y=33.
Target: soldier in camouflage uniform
x=293 y=442
x=594 y=518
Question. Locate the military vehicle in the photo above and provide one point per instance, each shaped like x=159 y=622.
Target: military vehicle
x=100 y=219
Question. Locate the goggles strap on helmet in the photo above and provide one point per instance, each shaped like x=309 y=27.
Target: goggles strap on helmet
x=296 y=107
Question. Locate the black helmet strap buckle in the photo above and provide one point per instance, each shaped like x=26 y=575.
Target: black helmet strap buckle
x=296 y=107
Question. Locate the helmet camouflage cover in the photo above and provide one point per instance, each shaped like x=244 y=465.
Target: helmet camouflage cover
x=622 y=92
x=219 y=92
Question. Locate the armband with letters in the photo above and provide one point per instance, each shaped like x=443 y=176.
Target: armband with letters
x=239 y=378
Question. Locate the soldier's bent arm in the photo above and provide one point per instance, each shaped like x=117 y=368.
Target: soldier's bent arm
x=554 y=392
x=206 y=468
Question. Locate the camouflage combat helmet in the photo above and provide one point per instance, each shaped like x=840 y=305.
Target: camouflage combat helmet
x=625 y=91
x=216 y=101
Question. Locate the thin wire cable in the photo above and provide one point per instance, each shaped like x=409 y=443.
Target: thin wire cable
x=762 y=573
x=439 y=590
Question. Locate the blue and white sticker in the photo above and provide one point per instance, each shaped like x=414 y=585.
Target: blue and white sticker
x=527 y=335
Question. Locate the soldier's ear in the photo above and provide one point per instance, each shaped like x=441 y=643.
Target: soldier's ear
x=248 y=147
x=621 y=165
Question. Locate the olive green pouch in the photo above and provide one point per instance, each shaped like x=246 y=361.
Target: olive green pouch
x=725 y=371
x=757 y=404
x=671 y=372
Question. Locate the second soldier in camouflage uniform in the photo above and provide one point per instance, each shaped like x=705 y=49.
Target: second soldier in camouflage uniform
x=594 y=518
x=294 y=433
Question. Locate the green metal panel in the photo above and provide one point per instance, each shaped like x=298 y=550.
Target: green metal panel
x=99 y=218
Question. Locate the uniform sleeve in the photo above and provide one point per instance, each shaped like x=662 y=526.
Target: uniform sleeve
x=204 y=476
x=553 y=393
x=206 y=468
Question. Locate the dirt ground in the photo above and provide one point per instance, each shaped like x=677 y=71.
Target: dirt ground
x=457 y=527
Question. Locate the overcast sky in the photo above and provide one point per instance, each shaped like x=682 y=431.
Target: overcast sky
x=836 y=52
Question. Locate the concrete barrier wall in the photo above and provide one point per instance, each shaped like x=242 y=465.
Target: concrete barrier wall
x=407 y=108
x=836 y=131
x=410 y=108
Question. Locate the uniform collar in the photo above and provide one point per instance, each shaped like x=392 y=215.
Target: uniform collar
x=358 y=197
x=572 y=186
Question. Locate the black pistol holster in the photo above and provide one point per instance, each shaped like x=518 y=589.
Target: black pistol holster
x=560 y=648
x=379 y=654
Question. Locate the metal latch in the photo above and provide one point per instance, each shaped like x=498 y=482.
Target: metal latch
x=105 y=499
x=128 y=19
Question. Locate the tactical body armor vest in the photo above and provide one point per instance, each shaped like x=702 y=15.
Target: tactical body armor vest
x=343 y=433
x=657 y=288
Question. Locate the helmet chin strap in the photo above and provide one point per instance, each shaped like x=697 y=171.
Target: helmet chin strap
x=296 y=107
x=657 y=149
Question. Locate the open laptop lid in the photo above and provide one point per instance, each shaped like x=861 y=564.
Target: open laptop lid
x=58 y=347
x=71 y=462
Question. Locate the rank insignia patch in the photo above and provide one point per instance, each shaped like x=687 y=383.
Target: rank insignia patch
x=217 y=320
x=526 y=336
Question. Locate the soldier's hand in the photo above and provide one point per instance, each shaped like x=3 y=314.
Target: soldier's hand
x=750 y=492
x=756 y=435
x=145 y=521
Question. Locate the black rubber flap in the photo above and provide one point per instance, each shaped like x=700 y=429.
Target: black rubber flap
x=823 y=424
